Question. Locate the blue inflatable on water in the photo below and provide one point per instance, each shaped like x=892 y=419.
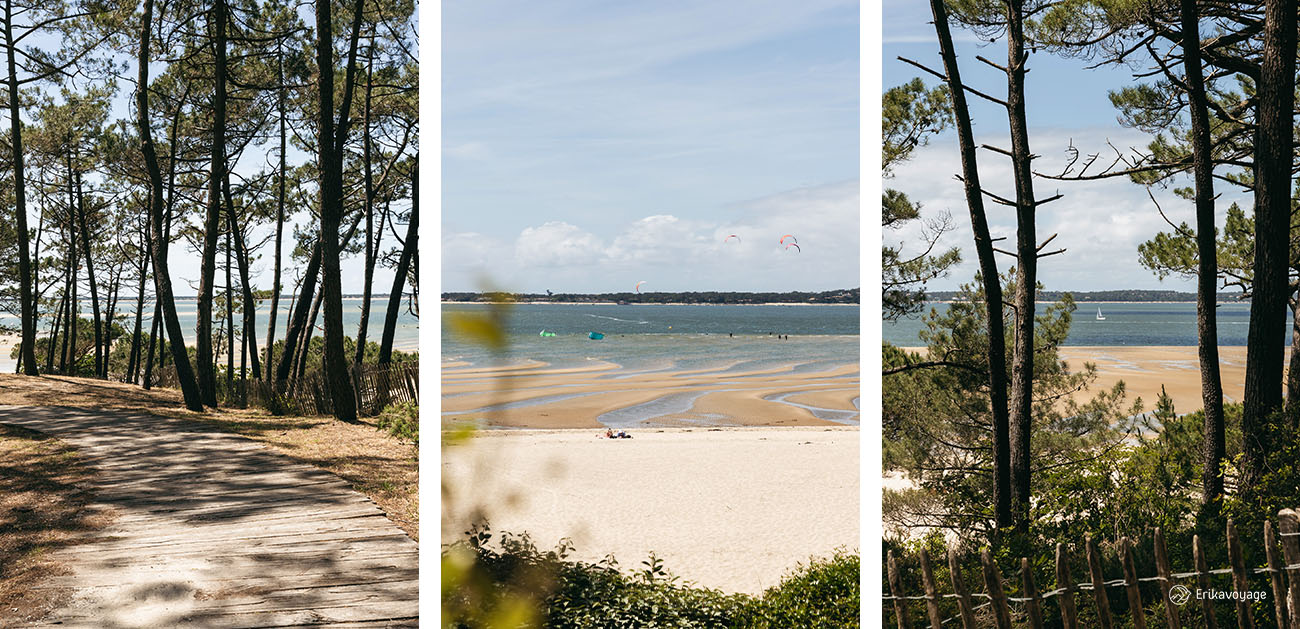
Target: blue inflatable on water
x=595 y=336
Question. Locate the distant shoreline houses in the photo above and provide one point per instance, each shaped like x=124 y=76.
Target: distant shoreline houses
x=1113 y=296
x=841 y=296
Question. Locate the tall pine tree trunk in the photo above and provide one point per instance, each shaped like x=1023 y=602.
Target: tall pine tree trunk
x=212 y=221
x=276 y=287
x=26 y=300
x=403 y=267
x=371 y=247
x=90 y=269
x=332 y=141
x=162 y=277
x=1207 y=331
x=1274 y=149
x=1022 y=361
x=992 y=283
x=246 y=289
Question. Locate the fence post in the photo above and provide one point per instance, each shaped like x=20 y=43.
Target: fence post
x=1203 y=582
x=1239 y=583
x=993 y=581
x=1275 y=575
x=896 y=590
x=931 y=593
x=1166 y=581
x=1030 y=591
x=1289 y=527
x=1131 y=584
x=1069 y=615
x=1098 y=585
x=959 y=588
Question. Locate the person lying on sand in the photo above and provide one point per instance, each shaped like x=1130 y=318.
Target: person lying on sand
x=622 y=434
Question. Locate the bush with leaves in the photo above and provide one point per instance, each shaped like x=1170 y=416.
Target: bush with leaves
x=823 y=593
x=401 y=420
x=517 y=585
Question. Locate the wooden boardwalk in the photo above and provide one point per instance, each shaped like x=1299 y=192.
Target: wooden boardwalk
x=214 y=530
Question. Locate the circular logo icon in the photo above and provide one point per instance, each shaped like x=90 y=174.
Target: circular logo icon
x=1179 y=595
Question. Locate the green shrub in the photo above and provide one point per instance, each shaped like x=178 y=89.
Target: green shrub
x=482 y=586
x=823 y=593
x=401 y=420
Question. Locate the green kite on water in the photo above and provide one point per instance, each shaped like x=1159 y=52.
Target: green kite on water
x=595 y=336
x=545 y=333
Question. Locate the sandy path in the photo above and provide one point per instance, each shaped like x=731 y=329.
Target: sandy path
x=213 y=530
x=727 y=508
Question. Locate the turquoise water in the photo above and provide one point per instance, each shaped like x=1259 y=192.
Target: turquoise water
x=644 y=337
x=1125 y=324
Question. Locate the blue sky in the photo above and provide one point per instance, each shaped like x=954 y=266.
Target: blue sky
x=1099 y=223
x=591 y=145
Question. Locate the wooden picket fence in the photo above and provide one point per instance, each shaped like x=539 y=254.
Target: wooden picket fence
x=374 y=387
x=997 y=611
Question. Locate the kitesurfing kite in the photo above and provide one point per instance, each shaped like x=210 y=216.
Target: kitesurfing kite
x=638 y=285
x=791 y=237
x=795 y=245
x=724 y=240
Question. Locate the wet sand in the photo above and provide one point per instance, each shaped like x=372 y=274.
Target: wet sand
x=1145 y=368
x=729 y=508
x=537 y=395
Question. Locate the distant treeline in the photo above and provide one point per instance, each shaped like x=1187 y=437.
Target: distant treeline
x=841 y=296
x=1106 y=295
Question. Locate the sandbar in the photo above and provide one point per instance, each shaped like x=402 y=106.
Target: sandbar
x=542 y=397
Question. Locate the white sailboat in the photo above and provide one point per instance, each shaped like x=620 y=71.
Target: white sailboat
x=1100 y=317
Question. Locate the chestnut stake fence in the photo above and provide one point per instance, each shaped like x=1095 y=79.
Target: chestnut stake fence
x=1283 y=577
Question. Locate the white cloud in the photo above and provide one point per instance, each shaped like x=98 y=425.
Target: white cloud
x=675 y=253
x=556 y=244
x=1099 y=223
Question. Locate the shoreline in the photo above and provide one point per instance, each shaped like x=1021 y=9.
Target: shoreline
x=1144 y=369
x=657 y=303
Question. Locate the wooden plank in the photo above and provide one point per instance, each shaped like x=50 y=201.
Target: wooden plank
x=1203 y=582
x=1288 y=524
x=1030 y=591
x=1244 y=618
x=931 y=592
x=1069 y=614
x=1166 y=581
x=241 y=535
x=896 y=590
x=207 y=545
x=1136 y=612
x=1275 y=576
x=372 y=572
x=959 y=588
x=1098 y=585
x=993 y=581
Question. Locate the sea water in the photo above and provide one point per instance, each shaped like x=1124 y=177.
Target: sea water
x=406 y=336
x=1126 y=323
x=645 y=337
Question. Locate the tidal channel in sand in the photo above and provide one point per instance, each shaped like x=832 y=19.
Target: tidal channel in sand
x=735 y=474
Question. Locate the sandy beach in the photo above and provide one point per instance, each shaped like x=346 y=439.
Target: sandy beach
x=729 y=508
x=1145 y=368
